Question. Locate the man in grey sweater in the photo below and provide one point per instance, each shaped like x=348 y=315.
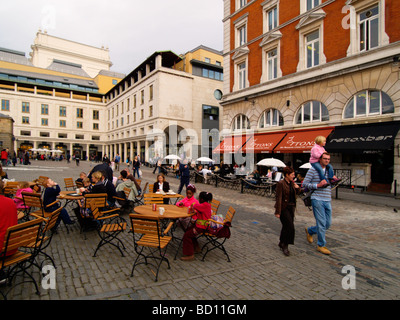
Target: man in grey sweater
x=321 y=204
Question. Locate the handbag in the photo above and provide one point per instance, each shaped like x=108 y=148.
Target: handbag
x=306 y=197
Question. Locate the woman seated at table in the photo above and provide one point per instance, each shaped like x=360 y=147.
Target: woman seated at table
x=187 y=202
x=50 y=202
x=161 y=186
x=203 y=212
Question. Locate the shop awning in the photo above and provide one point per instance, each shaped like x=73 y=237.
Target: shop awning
x=231 y=144
x=363 y=137
x=263 y=142
x=301 y=141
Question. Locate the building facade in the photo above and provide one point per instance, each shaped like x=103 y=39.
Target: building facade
x=66 y=98
x=297 y=69
x=166 y=107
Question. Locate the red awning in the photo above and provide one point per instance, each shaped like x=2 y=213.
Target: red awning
x=263 y=142
x=301 y=141
x=231 y=144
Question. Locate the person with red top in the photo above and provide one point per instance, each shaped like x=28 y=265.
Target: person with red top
x=203 y=212
x=8 y=216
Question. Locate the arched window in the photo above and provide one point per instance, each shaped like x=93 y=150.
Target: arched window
x=270 y=117
x=312 y=111
x=240 y=122
x=368 y=103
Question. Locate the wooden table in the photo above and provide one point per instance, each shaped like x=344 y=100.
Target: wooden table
x=172 y=211
x=65 y=195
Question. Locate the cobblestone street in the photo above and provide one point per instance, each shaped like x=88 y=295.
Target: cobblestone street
x=363 y=235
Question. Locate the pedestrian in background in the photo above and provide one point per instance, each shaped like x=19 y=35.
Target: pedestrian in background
x=185 y=175
x=285 y=206
x=321 y=203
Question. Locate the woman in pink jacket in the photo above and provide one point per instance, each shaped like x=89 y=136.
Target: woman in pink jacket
x=187 y=202
x=316 y=153
x=203 y=213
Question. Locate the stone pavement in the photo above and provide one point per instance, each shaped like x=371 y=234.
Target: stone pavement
x=364 y=235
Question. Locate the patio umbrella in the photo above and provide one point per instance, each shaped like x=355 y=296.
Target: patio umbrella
x=305 y=166
x=204 y=159
x=172 y=157
x=56 y=151
x=271 y=162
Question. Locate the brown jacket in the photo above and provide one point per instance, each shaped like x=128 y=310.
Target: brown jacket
x=283 y=194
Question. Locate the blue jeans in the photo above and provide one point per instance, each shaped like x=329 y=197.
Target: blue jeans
x=136 y=170
x=323 y=217
x=317 y=166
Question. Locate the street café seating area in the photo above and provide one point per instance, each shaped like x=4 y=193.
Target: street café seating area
x=153 y=223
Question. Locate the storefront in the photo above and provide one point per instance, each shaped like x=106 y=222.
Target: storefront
x=371 y=143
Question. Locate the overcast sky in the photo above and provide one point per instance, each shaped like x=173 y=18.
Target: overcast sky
x=131 y=29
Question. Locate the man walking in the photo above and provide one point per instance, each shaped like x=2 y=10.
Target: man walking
x=321 y=204
x=185 y=175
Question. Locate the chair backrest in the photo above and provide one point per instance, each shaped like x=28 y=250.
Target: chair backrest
x=42 y=180
x=215 y=205
x=50 y=222
x=69 y=183
x=153 y=198
x=96 y=212
x=139 y=181
x=20 y=235
x=33 y=200
x=151 y=187
x=98 y=199
x=140 y=225
x=229 y=215
x=11 y=188
x=127 y=191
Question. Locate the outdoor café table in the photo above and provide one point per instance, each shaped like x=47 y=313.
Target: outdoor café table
x=69 y=197
x=172 y=212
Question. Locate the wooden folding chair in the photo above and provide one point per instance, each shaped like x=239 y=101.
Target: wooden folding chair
x=214 y=206
x=109 y=227
x=11 y=189
x=12 y=259
x=34 y=204
x=85 y=217
x=147 y=234
x=151 y=187
x=150 y=198
x=69 y=183
x=216 y=237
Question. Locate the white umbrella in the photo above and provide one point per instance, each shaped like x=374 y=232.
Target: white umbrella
x=271 y=162
x=204 y=159
x=305 y=166
x=57 y=151
x=172 y=157
x=33 y=149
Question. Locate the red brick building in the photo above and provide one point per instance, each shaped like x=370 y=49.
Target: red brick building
x=299 y=66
